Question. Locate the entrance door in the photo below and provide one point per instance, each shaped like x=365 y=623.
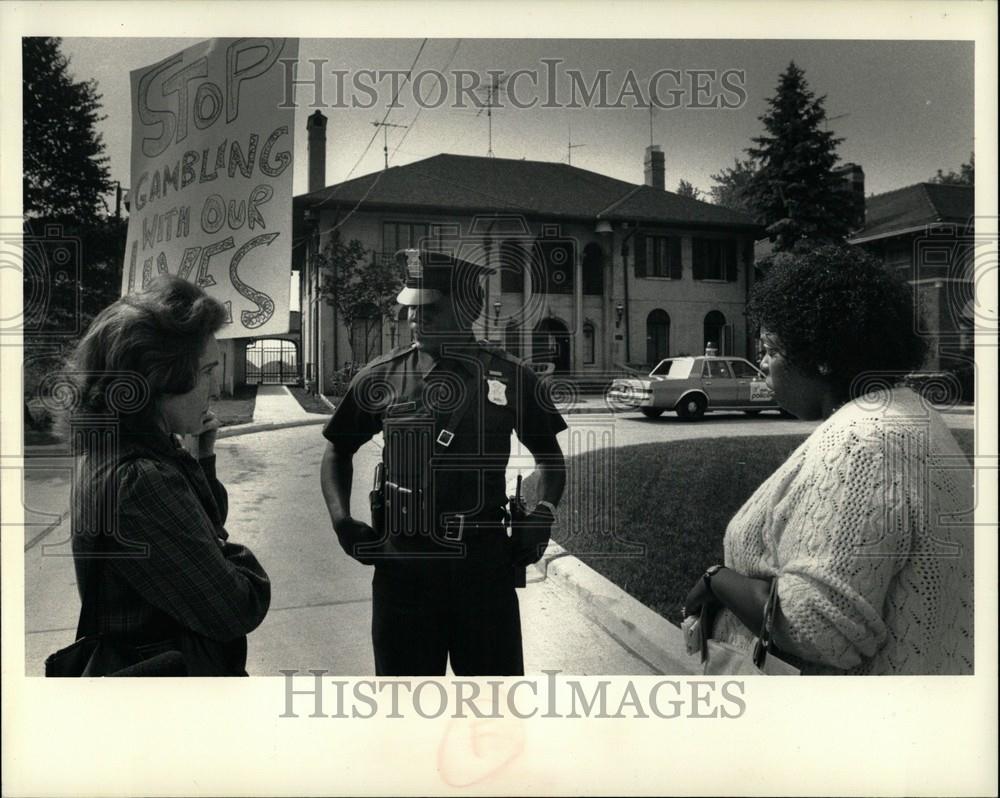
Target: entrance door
x=551 y=344
x=657 y=337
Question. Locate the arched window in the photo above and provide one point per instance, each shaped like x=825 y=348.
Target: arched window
x=593 y=269
x=589 y=348
x=657 y=336
x=715 y=332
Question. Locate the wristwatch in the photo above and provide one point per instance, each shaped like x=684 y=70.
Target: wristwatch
x=709 y=573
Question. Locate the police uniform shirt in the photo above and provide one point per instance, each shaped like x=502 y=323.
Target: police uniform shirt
x=408 y=391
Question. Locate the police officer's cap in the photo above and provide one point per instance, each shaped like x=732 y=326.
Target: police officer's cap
x=431 y=275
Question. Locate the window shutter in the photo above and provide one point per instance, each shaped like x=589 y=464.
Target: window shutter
x=731 y=261
x=675 y=258
x=640 y=255
x=698 y=258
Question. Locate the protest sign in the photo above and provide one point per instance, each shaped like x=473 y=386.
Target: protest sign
x=211 y=197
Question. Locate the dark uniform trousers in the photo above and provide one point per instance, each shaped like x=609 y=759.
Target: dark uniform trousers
x=432 y=604
x=425 y=611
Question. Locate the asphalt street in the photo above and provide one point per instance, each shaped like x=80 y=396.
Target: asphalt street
x=321 y=607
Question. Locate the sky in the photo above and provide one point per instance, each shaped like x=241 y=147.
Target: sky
x=903 y=108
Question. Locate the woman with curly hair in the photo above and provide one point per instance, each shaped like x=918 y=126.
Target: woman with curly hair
x=158 y=577
x=859 y=530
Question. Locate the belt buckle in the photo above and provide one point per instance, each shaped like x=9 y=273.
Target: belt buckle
x=445 y=437
x=454 y=528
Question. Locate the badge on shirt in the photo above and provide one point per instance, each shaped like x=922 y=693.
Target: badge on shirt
x=498 y=392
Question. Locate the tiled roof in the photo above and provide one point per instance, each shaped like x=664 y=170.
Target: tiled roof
x=533 y=188
x=914 y=206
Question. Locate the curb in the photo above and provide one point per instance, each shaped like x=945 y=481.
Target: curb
x=626 y=619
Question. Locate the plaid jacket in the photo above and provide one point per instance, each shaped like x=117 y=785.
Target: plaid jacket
x=148 y=537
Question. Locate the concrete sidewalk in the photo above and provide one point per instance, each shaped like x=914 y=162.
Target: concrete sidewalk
x=276 y=404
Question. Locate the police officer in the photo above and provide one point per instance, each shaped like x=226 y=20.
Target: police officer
x=445 y=567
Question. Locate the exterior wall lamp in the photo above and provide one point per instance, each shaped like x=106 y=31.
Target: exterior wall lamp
x=619 y=312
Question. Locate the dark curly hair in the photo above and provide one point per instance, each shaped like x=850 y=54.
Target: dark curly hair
x=139 y=349
x=839 y=308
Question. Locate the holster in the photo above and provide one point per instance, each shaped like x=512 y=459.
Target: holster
x=377 y=500
x=517 y=512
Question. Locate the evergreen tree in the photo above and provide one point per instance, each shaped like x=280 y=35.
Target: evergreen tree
x=686 y=189
x=65 y=168
x=794 y=190
x=731 y=184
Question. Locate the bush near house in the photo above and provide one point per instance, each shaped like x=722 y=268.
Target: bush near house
x=675 y=500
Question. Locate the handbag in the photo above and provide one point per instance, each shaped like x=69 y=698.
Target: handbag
x=760 y=659
x=112 y=655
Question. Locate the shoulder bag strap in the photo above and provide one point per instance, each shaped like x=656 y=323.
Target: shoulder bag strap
x=447 y=433
x=763 y=645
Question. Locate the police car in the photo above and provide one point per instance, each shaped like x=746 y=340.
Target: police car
x=692 y=386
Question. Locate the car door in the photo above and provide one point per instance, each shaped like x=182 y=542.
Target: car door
x=718 y=383
x=743 y=374
x=757 y=393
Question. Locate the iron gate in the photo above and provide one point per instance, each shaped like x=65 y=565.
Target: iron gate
x=272 y=361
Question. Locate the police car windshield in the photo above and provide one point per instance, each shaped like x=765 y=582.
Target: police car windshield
x=674 y=368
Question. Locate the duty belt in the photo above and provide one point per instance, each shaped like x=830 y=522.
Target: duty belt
x=457 y=524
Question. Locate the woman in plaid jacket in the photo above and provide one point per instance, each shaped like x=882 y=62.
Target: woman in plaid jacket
x=154 y=562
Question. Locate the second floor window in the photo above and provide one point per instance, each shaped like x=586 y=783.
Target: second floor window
x=416 y=235
x=714 y=259
x=403 y=235
x=658 y=256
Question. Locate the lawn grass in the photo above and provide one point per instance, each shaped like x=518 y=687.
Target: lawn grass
x=238 y=408
x=309 y=402
x=671 y=504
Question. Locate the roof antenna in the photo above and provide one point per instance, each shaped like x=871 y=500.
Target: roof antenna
x=491 y=95
x=570 y=146
x=385 y=137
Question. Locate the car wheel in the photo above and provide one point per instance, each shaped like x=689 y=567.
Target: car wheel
x=691 y=407
x=752 y=413
x=652 y=412
x=785 y=414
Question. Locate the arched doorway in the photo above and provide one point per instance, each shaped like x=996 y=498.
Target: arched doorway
x=715 y=332
x=550 y=344
x=657 y=336
x=272 y=361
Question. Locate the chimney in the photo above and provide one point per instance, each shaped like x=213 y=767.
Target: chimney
x=853 y=177
x=316 y=126
x=656 y=173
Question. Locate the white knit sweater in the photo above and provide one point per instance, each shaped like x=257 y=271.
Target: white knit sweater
x=867 y=527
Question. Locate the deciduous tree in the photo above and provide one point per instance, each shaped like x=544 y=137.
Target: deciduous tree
x=965 y=176
x=686 y=189
x=731 y=184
